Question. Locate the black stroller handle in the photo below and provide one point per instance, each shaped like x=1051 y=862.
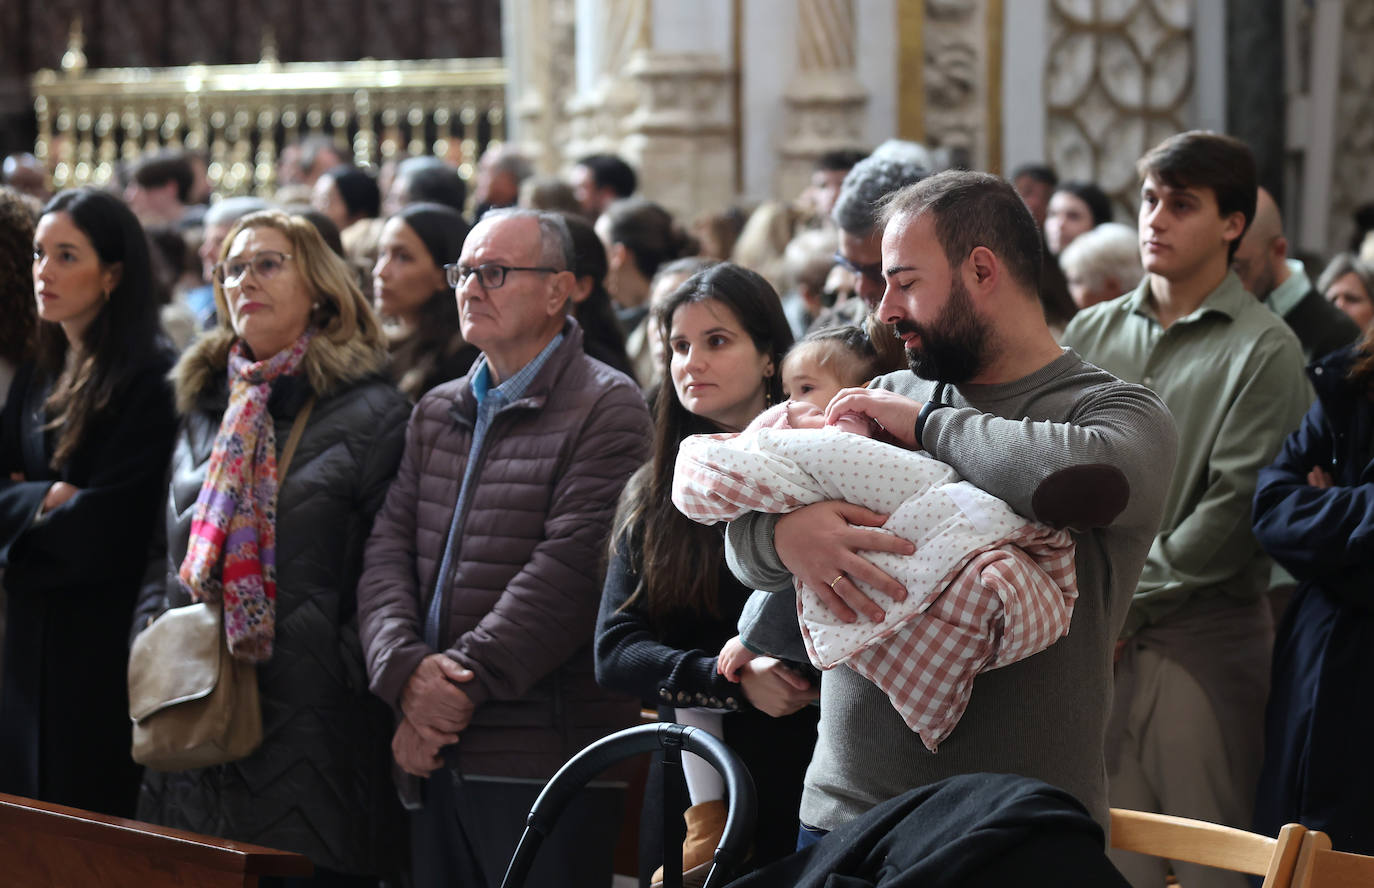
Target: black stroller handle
x=587 y=764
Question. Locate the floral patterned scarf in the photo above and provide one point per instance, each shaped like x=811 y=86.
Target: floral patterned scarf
x=232 y=550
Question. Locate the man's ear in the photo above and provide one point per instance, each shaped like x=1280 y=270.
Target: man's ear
x=982 y=270
x=1279 y=247
x=560 y=292
x=1233 y=227
x=617 y=256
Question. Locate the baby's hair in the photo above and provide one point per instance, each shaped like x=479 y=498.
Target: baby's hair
x=844 y=350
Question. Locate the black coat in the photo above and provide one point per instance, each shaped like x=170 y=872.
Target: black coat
x=676 y=666
x=320 y=783
x=1317 y=767
x=970 y=831
x=71 y=579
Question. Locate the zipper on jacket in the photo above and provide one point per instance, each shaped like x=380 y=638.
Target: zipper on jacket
x=460 y=521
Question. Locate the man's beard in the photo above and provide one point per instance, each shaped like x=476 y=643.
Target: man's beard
x=954 y=348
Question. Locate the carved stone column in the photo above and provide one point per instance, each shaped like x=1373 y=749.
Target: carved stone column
x=540 y=55
x=962 y=52
x=681 y=138
x=597 y=114
x=825 y=101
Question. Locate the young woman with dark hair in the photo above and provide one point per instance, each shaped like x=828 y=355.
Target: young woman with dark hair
x=639 y=237
x=84 y=444
x=670 y=602
x=418 y=307
x=602 y=337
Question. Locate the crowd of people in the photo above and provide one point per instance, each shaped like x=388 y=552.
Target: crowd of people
x=428 y=451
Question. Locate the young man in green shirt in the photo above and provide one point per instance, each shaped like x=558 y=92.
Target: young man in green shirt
x=1192 y=668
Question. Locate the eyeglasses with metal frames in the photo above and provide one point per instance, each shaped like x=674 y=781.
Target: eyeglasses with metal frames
x=491 y=275
x=265 y=264
x=873 y=272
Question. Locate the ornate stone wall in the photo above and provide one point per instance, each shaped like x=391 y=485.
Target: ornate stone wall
x=681 y=136
x=1353 y=174
x=962 y=51
x=1118 y=80
x=543 y=75
x=825 y=101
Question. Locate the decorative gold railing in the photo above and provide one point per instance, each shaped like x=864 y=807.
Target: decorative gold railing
x=241 y=116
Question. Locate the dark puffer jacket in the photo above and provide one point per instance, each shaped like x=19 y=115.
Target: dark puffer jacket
x=320 y=784
x=526 y=579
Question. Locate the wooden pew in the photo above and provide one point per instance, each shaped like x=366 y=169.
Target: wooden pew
x=1320 y=867
x=45 y=845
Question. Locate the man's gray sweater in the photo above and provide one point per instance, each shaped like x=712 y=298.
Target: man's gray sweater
x=1071 y=446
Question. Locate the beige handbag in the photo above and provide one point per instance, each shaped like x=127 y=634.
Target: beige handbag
x=192 y=704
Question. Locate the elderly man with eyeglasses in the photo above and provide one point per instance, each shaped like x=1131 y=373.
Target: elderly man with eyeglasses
x=482 y=575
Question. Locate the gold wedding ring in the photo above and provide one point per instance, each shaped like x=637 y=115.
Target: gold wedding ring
x=834 y=581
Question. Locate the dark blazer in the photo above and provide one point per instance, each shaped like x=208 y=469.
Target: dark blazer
x=71 y=578
x=320 y=783
x=1320 y=326
x=1317 y=768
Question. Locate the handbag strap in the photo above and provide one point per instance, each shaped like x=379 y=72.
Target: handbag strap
x=297 y=429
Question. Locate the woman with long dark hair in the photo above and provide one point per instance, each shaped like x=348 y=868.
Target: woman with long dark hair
x=639 y=236
x=414 y=299
x=602 y=337
x=670 y=602
x=87 y=431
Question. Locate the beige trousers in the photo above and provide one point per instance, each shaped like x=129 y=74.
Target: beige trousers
x=1174 y=761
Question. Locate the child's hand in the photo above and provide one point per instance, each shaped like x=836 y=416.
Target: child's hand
x=734 y=656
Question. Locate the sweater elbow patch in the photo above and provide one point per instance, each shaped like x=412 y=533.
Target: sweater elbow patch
x=1081 y=497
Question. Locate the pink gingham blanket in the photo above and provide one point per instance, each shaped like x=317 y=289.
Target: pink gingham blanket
x=985 y=587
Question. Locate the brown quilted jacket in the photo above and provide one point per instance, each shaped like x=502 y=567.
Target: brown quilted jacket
x=525 y=581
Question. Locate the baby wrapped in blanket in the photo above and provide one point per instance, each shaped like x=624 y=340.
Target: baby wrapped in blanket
x=985 y=587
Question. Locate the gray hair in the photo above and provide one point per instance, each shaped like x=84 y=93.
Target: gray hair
x=1341 y=265
x=872 y=179
x=232 y=209
x=1110 y=251
x=555 y=240
x=511 y=161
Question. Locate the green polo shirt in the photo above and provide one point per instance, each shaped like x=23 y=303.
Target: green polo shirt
x=1231 y=373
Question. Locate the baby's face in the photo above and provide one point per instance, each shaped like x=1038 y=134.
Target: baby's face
x=805 y=415
x=804 y=379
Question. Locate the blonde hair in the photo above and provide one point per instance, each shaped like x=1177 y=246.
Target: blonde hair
x=343 y=313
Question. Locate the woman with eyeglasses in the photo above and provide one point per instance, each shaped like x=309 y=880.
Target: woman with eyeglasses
x=298 y=355
x=84 y=443
x=418 y=307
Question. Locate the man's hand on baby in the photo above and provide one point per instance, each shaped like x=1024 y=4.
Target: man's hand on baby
x=820 y=545
x=893 y=413
x=734 y=656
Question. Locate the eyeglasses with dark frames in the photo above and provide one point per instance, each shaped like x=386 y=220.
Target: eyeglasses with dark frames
x=491 y=275
x=265 y=265
x=873 y=272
